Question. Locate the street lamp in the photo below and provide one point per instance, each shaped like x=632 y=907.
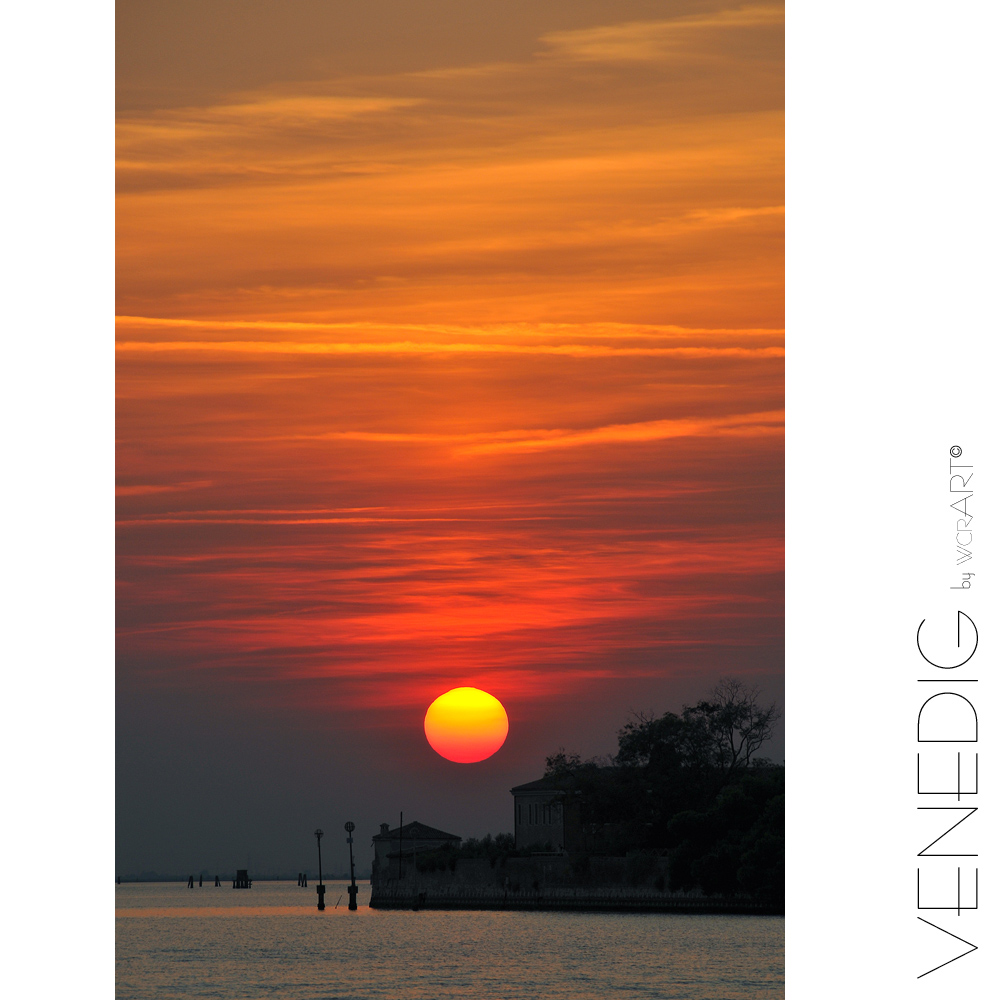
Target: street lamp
x=320 y=889
x=352 y=889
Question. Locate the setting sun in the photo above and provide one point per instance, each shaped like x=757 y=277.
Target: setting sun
x=466 y=725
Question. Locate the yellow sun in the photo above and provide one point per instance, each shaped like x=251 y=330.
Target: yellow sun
x=466 y=725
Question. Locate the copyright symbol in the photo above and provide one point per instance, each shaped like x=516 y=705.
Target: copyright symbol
x=955 y=451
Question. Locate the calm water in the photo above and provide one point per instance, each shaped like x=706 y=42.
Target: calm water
x=270 y=941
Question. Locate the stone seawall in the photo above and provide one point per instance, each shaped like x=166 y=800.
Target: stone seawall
x=592 y=900
x=636 y=884
x=537 y=871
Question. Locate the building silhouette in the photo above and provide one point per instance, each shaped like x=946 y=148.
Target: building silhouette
x=396 y=850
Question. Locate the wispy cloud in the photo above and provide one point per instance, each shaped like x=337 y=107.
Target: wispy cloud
x=650 y=430
x=652 y=41
x=525 y=440
x=149 y=489
x=250 y=119
x=393 y=331
x=422 y=347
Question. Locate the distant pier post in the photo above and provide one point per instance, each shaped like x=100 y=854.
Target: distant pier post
x=320 y=888
x=199 y=881
x=352 y=889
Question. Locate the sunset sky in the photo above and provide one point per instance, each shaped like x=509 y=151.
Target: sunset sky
x=450 y=352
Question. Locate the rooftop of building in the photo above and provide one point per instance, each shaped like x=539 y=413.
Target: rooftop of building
x=415 y=831
x=550 y=783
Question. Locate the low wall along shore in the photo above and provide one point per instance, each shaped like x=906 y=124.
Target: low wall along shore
x=635 y=884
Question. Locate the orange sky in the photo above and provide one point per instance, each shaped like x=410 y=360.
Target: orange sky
x=450 y=357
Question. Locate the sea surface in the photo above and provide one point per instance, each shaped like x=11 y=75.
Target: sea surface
x=270 y=941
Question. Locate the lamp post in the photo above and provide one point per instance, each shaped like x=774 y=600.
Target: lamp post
x=352 y=889
x=320 y=889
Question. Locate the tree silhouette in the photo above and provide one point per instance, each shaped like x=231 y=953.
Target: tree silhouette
x=688 y=785
x=737 y=723
x=722 y=732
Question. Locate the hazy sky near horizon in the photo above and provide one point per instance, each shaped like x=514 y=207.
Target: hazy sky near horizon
x=450 y=352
